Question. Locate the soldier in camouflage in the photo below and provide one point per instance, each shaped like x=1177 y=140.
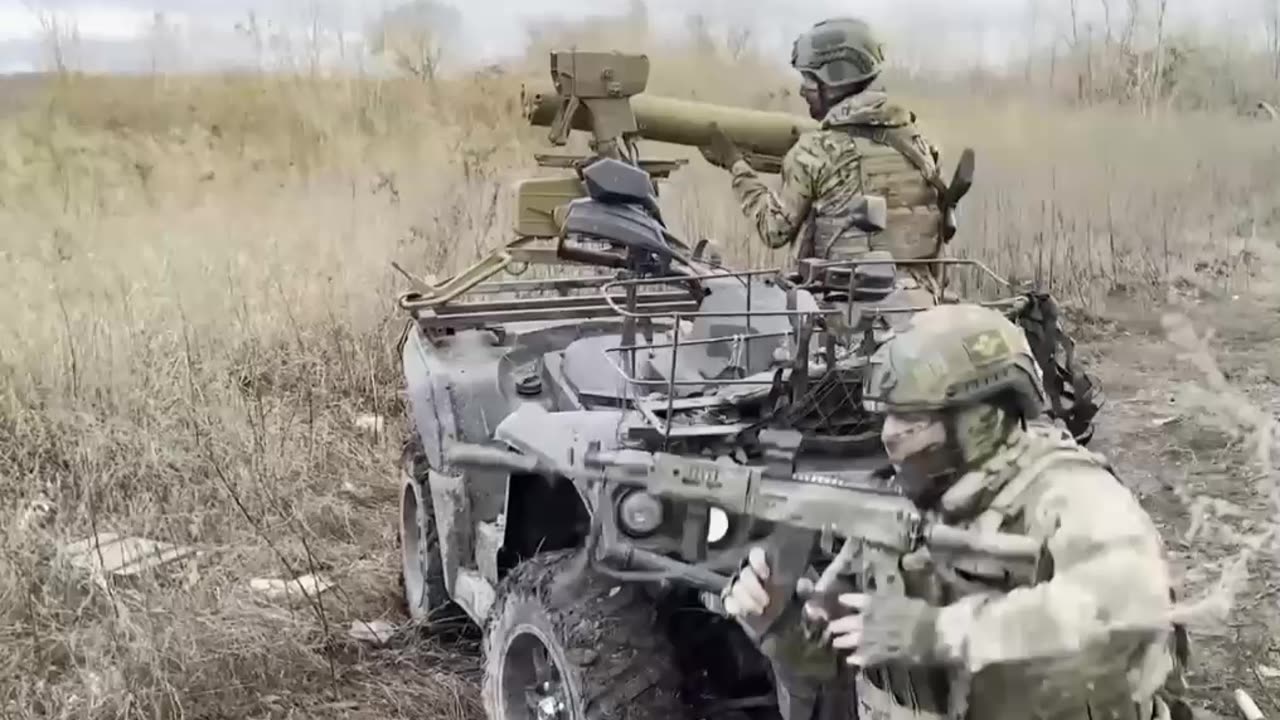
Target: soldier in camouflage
x=866 y=145
x=1087 y=633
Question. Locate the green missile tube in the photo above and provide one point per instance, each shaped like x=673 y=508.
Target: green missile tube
x=687 y=122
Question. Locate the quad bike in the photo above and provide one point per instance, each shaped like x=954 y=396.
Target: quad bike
x=569 y=480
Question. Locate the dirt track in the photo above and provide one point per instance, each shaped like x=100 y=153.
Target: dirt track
x=1169 y=452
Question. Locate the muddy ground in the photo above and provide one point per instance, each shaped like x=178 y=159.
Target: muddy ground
x=1183 y=464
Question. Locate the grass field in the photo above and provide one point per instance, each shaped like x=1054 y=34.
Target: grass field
x=199 y=307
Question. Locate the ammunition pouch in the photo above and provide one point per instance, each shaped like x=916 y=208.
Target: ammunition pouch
x=835 y=239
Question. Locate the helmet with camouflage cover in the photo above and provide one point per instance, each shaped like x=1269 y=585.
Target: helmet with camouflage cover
x=838 y=52
x=952 y=357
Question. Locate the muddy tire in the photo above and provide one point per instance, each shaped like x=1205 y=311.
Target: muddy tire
x=596 y=653
x=421 y=565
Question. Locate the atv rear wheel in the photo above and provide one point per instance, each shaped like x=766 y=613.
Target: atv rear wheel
x=596 y=653
x=422 y=568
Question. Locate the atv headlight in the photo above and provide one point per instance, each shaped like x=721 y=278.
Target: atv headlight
x=640 y=513
x=717 y=525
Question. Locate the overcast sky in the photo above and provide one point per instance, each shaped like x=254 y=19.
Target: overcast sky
x=110 y=30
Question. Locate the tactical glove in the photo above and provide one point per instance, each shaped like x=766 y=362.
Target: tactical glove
x=821 y=608
x=721 y=152
x=884 y=629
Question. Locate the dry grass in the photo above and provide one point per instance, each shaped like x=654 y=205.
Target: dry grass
x=1245 y=431
x=199 y=305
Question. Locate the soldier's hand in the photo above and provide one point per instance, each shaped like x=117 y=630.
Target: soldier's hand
x=845 y=632
x=721 y=152
x=882 y=629
x=746 y=597
x=820 y=610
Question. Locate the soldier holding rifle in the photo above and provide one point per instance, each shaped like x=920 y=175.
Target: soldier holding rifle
x=1086 y=633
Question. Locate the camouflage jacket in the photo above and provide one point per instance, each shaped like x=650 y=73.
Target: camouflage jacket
x=828 y=168
x=1071 y=638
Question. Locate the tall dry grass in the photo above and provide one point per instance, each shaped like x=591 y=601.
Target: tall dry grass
x=200 y=304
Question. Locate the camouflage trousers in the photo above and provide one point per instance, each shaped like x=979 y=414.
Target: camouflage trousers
x=873 y=703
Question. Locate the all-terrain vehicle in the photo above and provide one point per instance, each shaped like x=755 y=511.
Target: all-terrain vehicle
x=597 y=598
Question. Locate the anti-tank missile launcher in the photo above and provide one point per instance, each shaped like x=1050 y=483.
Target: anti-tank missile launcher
x=604 y=83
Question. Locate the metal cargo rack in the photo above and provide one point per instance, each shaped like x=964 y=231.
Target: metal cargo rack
x=669 y=304
x=455 y=305
x=822 y=277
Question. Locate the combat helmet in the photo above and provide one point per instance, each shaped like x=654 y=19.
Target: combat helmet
x=839 y=52
x=951 y=357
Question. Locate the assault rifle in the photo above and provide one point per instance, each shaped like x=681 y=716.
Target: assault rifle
x=863 y=509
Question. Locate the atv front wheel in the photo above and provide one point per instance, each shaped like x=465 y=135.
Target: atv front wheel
x=596 y=653
x=422 y=568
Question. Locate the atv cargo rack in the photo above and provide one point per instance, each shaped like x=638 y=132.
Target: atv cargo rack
x=667 y=320
x=872 y=310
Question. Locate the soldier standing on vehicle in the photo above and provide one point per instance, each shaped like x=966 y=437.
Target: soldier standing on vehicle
x=1086 y=634
x=865 y=145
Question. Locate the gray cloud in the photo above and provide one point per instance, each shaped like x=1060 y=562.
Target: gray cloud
x=111 y=30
